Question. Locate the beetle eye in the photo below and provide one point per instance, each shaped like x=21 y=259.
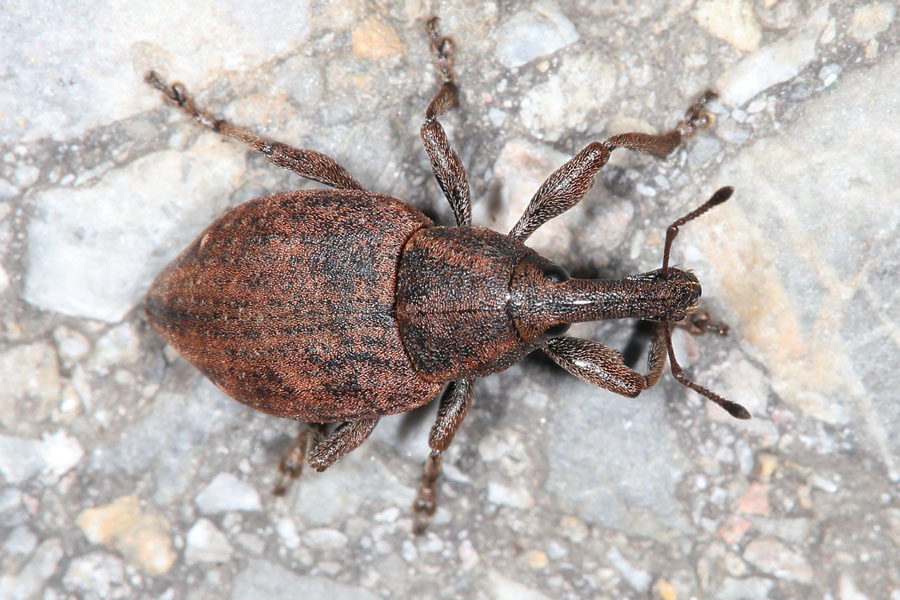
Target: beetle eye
x=555 y=273
x=557 y=330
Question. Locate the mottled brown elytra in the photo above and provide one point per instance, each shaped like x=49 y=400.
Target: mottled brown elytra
x=342 y=306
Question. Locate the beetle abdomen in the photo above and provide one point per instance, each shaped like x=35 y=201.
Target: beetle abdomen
x=286 y=303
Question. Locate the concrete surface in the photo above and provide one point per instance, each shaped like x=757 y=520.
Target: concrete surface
x=125 y=474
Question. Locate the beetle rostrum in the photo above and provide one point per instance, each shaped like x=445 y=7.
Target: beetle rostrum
x=337 y=307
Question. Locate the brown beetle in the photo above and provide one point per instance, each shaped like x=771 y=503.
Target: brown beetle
x=343 y=306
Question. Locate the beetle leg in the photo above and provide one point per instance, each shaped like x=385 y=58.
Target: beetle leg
x=343 y=440
x=306 y=163
x=568 y=184
x=445 y=162
x=701 y=321
x=291 y=464
x=603 y=366
x=453 y=408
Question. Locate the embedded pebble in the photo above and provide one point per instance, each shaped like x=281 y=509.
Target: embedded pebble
x=205 y=543
x=755 y=500
x=848 y=589
x=582 y=83
x=29 y=581
x=533 y=33
x=730 y=20
x=536 y=559
x=265 y=580
x=287 y=531
x=376 y=39
x=768 y=66
x=141 y=537
x=119 y=345
x=227 y=493
x=53 y=455
x=20 y=540
x=408 y=551
x=870 y=20
x=509 y=496
x=504 y=588
x=468 y=555
x=637 y=578
x=72 y=345
x=772 y=557
x=97 y=574
x=324 y=539
x=30 y=375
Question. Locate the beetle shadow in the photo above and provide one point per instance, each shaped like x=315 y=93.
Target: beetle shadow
x=411 y=421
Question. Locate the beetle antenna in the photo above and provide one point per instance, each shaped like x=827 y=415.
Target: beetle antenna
x=732 y=408
x=721 y=195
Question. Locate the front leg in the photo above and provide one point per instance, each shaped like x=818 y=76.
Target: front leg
x=445 y=162
x=600 y=365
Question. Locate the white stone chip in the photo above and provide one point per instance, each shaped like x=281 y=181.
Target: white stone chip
x=53 y=455
x=227 y=493
x=530 y=34
x=780 y=61
x=205 y=543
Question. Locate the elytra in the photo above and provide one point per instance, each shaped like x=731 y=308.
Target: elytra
x=341 y=306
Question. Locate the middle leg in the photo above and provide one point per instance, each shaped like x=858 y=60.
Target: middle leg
x=600 y=365
x=445 y=162
x=567 y=185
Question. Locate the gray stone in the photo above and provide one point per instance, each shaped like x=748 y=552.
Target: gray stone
x=29 y=582
x=76 y=265
x=206 y=544
x=772 y=64
x=615 y=462
x=534 y=33
x=264 y=580
x=52 y=456
x=97 y=574
x=227 y=493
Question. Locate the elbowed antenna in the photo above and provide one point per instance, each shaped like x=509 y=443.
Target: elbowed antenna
x=720 y=196
x=732 y=408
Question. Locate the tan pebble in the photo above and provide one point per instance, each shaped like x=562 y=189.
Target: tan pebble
x=536 y=559
x=766 y=464
x=732 y=21
x=870 y=20
x=733 y=529
x=666 y=590
x=755 y=501
x=142 y=538
x=376 y=39
x=734 y=565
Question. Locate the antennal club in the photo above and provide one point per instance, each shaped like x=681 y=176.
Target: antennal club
x=732 y=408
x=721 y=195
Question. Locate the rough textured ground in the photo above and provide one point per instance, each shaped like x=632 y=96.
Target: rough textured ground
x=125 y=474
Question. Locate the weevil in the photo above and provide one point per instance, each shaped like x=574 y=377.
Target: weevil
x=338 y=307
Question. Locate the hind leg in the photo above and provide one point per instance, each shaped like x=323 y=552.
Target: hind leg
x=321 y=451
x=454 y=405
x=307 y=163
